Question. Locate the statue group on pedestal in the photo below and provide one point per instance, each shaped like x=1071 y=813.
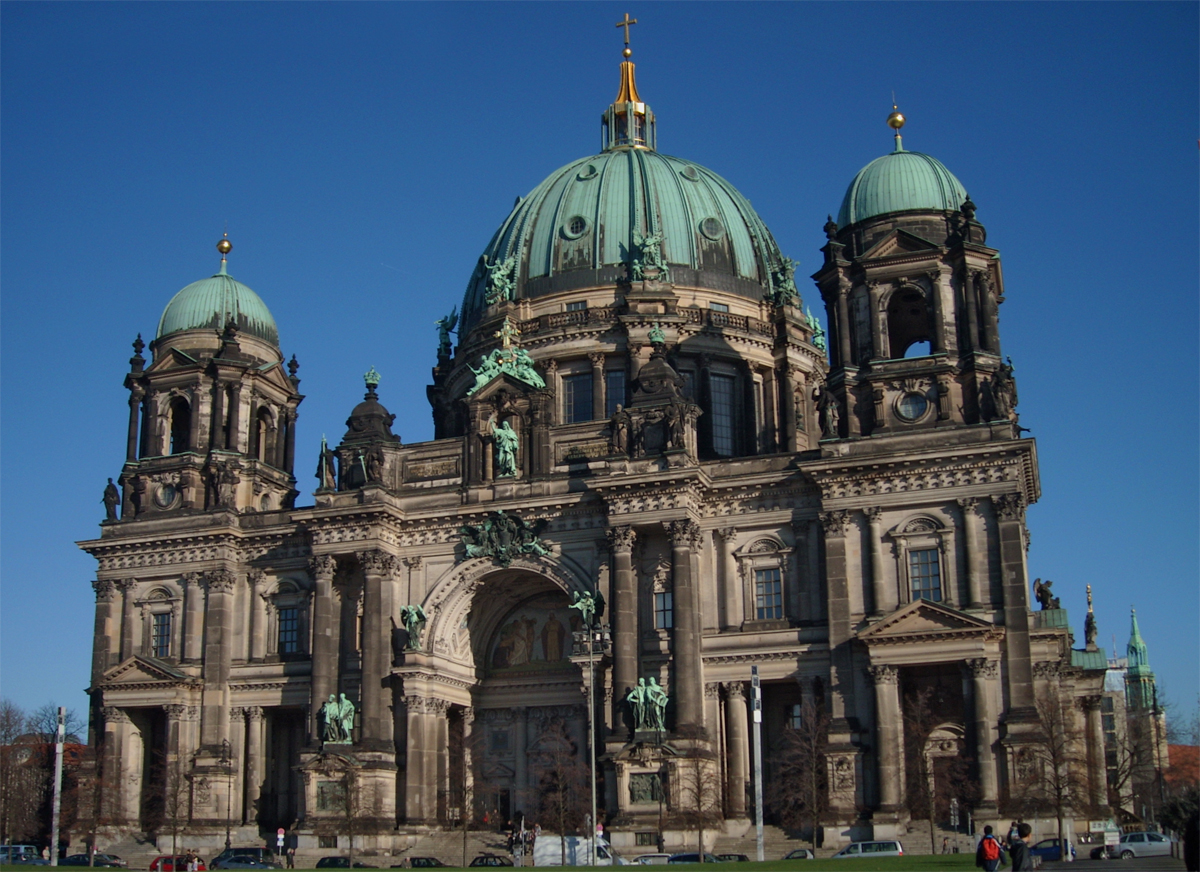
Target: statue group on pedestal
x=503 y=537
x=337 y=721
x=648 y=702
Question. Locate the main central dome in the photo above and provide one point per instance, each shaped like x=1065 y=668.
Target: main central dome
x=579 y=228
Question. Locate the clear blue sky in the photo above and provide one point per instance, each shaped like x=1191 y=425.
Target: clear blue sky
x=363 y=155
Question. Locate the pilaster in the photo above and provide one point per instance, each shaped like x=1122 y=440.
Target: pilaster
x=686 y=679
x=890 y=753
x=625 y=620
x=325 y=642
x=736 y=748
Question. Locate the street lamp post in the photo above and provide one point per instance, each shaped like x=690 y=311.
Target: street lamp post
x=592 y=635
x=227 y=762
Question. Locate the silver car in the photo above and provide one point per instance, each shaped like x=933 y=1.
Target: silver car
x=883 y=848
x=1143 y=845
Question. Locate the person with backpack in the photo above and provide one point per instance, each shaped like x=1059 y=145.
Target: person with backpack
x=990 y=855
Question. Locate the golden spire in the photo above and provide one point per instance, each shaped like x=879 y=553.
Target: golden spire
x=628 y=92
x=896 y=121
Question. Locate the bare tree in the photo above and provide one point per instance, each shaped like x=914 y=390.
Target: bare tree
x=562 y=779
x=800 y=792
x=20 y=792
x=43 y=723
x=696 y=797
x=919 y=724
x=177 y=795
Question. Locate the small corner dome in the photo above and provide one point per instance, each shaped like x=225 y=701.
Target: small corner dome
x=576 y=229
x=902 y=181
x=209 y=303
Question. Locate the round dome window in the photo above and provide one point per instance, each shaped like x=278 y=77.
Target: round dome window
x=575 y=227
x=912 y=406
x=712 y=228
x=588 y=172
x=690 y=173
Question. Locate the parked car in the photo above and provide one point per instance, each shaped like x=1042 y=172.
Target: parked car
x=1050 y=849
x=263 y=855
x=652 y=859
x=733 y=858
x=110 y=861
x=800 y=854
x=421 y=863
x=244 y=861
x=693 y=857
x=341 y=863
x=1142 y=845
x=490 y=860
x=886 y=848
x=29 y=860
x=18 y=853
x=178 y=863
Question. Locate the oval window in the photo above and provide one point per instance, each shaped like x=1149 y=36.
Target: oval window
x=690 y=173
x=575 y=227
x=712 y=228
x=588 y=172
x=912 y=406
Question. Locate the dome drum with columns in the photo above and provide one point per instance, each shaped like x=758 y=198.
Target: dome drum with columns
x=638 y=409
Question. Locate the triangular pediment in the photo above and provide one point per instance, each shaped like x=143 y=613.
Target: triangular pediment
x=925 y=618
x=502 y=382
x=497 y=771
x=899 y=242
x=142 y=670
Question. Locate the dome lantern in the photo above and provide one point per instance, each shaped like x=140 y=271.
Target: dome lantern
x=628 y=122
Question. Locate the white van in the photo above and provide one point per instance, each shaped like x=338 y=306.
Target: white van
x=548 y=851
x=885 y=848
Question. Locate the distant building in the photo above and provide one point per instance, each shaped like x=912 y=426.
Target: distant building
x=639 y=406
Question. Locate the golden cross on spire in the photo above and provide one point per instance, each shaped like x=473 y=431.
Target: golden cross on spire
x=628 y=21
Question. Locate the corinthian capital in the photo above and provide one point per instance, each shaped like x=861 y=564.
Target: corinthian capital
x=322 y=567
x=621 y=538
x=220 y=580
x=255 y=576
x=981 y=667
x=1010 y=507
x=834 y=523
x=376 y=561
x=884 y=673
x=683 y=533
x=106 y=591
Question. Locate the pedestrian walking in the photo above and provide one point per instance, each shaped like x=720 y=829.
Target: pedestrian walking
x=990 y=854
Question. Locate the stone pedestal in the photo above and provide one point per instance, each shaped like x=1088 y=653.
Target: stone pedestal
x=343 y=783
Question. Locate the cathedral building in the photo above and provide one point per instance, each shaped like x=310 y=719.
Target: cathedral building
x=640 y=417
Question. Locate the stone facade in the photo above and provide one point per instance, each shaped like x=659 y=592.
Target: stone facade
x=852 y=526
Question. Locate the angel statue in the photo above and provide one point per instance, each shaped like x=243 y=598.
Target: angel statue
x=1041 y=590
x=445 y=327
x=414 y=619
x=586 y=604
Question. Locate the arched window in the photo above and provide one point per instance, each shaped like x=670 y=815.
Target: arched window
x=909 y=322
x=181 y=425
x=262 y=441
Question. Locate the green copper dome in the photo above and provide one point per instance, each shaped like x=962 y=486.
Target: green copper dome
x=209 y=303
x=577 y=229
x=899 y=182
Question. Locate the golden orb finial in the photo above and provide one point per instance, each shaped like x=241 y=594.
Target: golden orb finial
x=896 y=119
x=224 y=246
x=628 y=52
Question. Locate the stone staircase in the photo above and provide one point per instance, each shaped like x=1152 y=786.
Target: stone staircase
x=136 y=849
x=776 y=843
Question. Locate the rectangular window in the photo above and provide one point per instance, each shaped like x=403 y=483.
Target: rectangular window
x=577 y=398
x=664 y=615
x=718 y=307
x=722 y=414
x=289 y=630
x=645 y=839
x=160 y=642
x=924 y=575
x=577 y=306
x=326 y=841
x=795 y=719
x=768 y=594
x=614 y=391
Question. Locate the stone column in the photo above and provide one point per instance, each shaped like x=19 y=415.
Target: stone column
x=1097 y=771
x=770 y=409
x=624 y=619
x=218 y=654
x=468 y=762
x=597 y=360
x=976 y=566
x=687 y=686
x=258 y=614
x=417 y=803
x=235 y=416
x=731 y=584
x=324 y=642
x=120 y=801
x=1010 y=515
x=970 y=296
x=289 y=444
x=254 y=737
x=131 y=437
x=879 y=333
x=737 y=748
x=376 y=645
x=791 y=438
x=878 y=585
x=104 y=632
x=845 y=357
x=193 y=620
x=813 y=558
x=887 y=730
x=128 y=588
x=983 y=675
x=837 y=595
x=194 y=405
x=217 y=435
x=520 y=754
x=990 y=316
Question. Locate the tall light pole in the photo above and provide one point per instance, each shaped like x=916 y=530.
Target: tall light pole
x=593 y=634
x=227 y=762
x=56 y=807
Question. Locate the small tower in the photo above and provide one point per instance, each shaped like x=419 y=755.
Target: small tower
x=1141 y=694
x=912 y=297
x=212 y=417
